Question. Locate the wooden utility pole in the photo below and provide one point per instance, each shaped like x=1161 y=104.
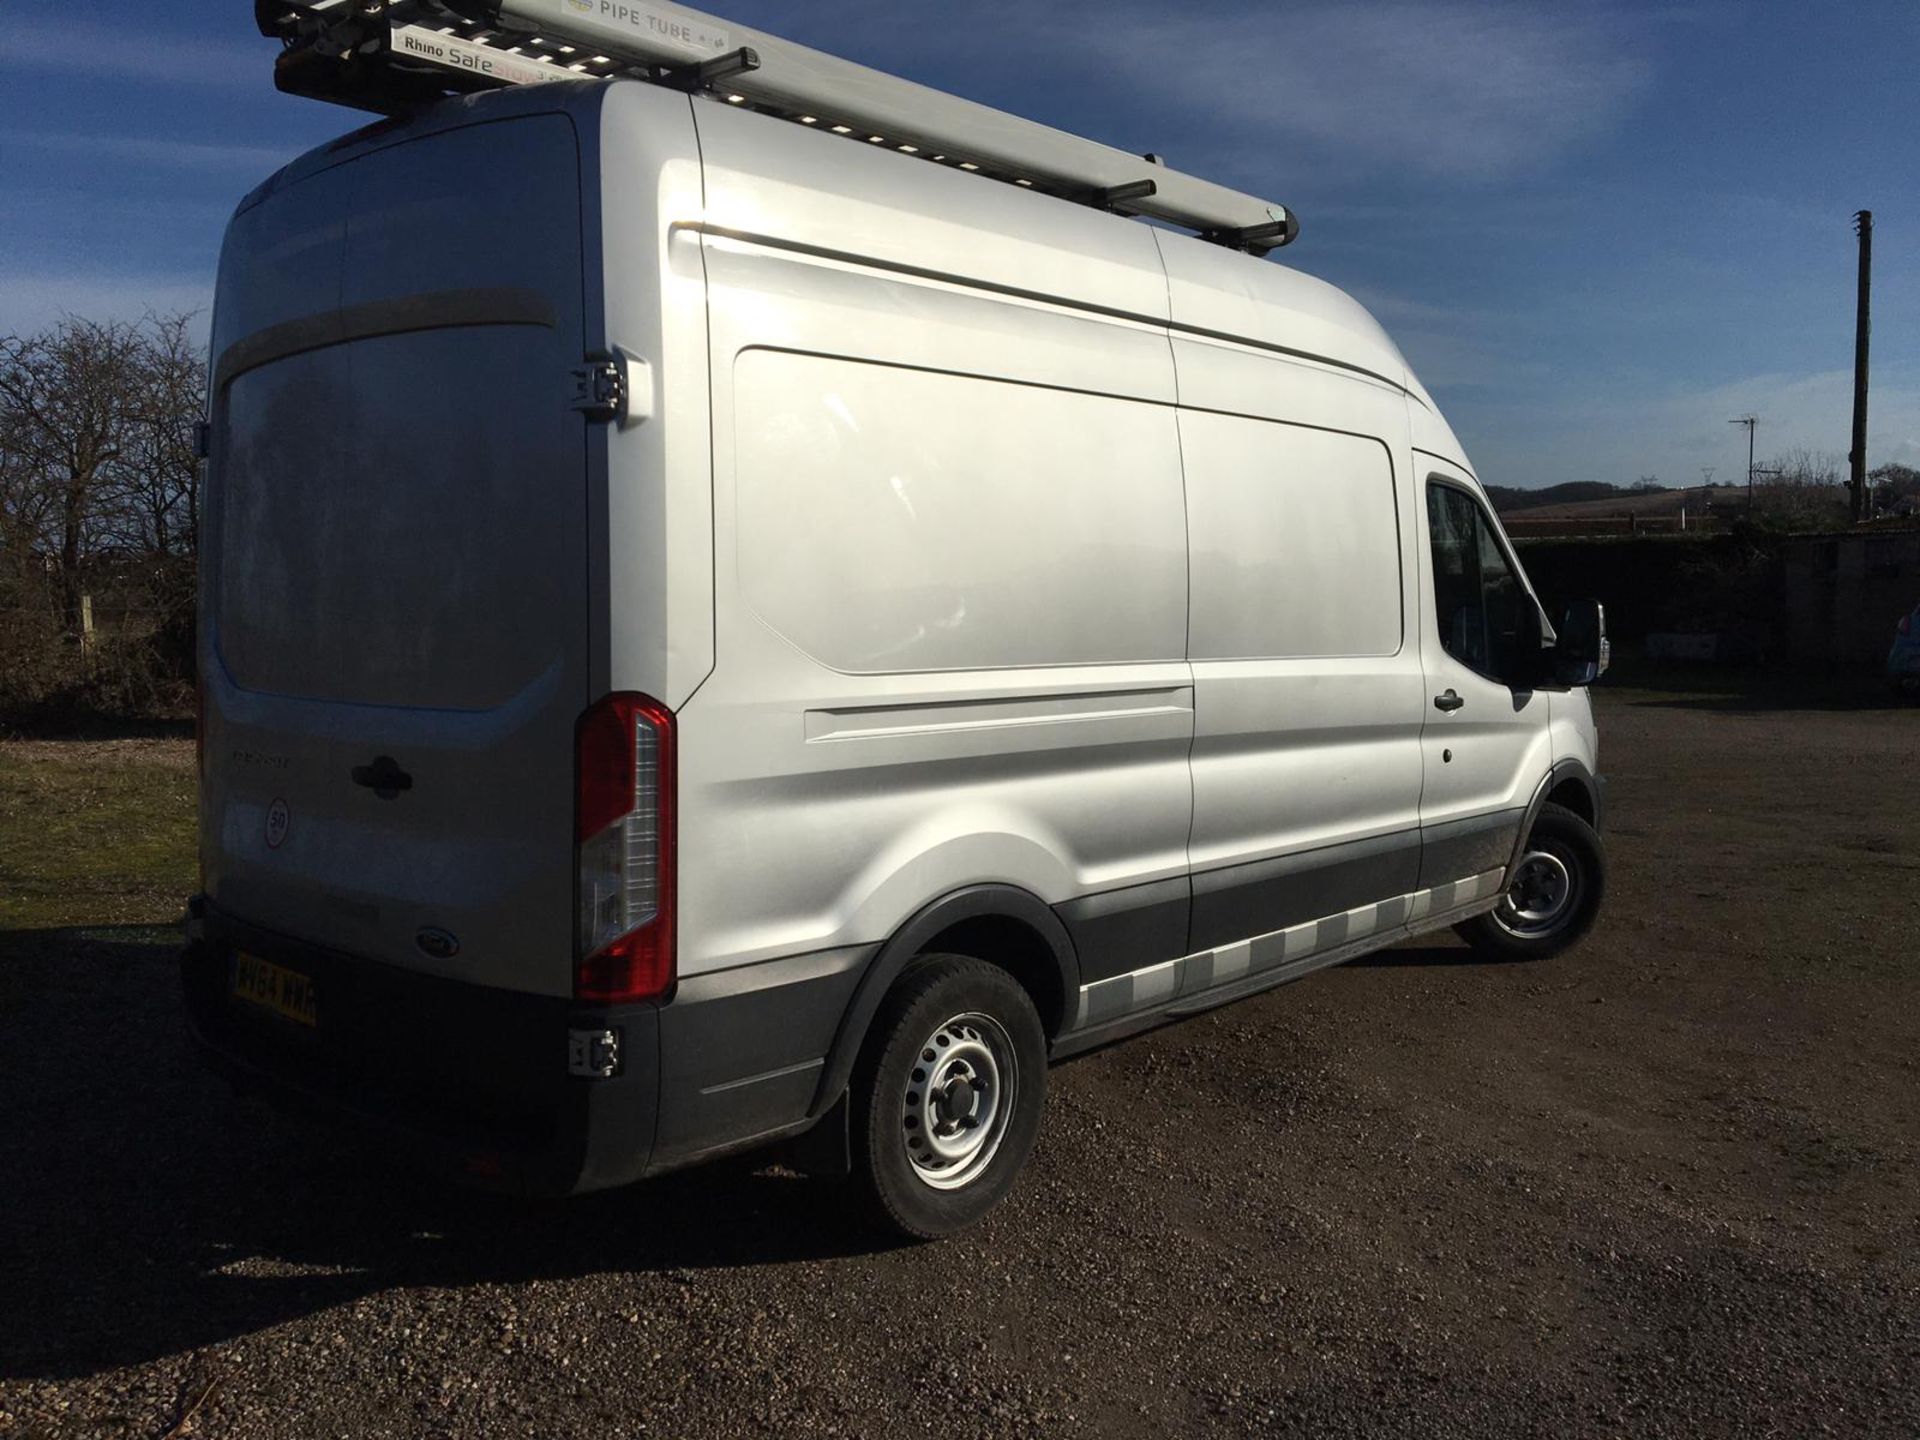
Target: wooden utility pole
x=1862 y=325
x=1752 y=423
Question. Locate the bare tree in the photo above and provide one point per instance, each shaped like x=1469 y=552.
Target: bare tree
x=158 y=473
x=1801 y=467
x=1896 y=488
x=99 y=495
x=25 y=504
x=66 y=395
x=1802 y=491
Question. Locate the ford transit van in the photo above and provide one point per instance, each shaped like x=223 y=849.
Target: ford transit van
x=715 y=632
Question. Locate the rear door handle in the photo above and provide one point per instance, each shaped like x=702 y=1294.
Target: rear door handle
x=384 y=777
x=1448 y=701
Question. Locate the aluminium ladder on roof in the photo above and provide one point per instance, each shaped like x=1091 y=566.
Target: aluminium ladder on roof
x=392 y=56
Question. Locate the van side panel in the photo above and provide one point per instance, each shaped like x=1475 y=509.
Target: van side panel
x=1430 y=432
x=1307 y=677
x=1266 y=306
x=654 y=518
x=950 y=565
x=856 y=784
x=818 y=192
x=893 y=520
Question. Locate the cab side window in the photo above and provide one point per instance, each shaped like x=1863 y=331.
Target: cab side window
x=1479 y=601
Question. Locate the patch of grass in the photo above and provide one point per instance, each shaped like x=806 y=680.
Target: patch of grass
x=95 y=833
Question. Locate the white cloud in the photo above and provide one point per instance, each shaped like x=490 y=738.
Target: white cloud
x=181 y=154
x=1473 y=89
x=1461 y=90
x=1811 y=412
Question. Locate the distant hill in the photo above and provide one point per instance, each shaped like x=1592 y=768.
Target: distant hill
x=1508 y=499
x=1699 y=500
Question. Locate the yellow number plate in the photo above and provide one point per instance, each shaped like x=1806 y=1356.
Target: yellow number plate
x=274 y=987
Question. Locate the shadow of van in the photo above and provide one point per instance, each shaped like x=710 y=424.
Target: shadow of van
x=1425 y=953
x=150 y=1211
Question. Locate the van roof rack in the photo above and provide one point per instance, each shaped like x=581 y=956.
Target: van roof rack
x=394 y=56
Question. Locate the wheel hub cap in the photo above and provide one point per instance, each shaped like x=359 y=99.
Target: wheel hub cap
x=958 y=1100
x=1540 y=895
x=956 y=1104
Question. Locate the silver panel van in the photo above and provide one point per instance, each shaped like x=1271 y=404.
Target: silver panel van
x=715 y=633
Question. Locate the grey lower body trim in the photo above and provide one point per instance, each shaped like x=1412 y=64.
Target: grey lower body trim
x=1270 y=895
x=1210 y=977
x=1118 y=931
x=1473 y=846
x=741 y=1051
x=1294 y=907
x=1135 y=929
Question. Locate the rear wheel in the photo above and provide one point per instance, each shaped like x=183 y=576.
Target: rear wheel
x=1553 y=894
x=947 y=1095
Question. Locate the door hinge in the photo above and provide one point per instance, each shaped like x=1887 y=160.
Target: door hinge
x=593 y=1054
x=600 y=388
x=614 y=387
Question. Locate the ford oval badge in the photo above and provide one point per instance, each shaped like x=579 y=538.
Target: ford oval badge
x=440 y=944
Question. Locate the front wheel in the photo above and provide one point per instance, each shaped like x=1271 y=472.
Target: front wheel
x=947 y=1097
x=1553 y=894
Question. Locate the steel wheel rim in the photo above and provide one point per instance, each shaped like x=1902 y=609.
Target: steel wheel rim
x=1539 y=897
x=958 y=1100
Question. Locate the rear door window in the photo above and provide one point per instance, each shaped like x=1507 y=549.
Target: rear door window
x=388 y=541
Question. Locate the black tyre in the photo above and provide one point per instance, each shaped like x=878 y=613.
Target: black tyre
x=1553 y=896
x=947 y=1095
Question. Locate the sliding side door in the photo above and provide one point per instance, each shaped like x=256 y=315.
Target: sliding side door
x=1307 y=678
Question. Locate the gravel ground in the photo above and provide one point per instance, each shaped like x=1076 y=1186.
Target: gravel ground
x=1664 y=1185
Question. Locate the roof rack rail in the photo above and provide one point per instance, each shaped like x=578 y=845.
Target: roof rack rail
x=394 y=56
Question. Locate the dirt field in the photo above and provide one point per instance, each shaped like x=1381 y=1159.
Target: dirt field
x=1695 y=500
x=1665 y=1185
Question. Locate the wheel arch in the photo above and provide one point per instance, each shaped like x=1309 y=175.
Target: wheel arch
x=1574 y=791
x=1001 y=924
x=1570 y=784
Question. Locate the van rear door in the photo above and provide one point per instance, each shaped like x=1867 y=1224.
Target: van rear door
x=395 y=644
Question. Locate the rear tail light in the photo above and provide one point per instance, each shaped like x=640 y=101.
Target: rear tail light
x=624 y=830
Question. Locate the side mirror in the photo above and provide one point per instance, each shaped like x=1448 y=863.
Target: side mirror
x=1582 y=653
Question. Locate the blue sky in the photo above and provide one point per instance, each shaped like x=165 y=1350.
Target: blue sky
x=1598 y=231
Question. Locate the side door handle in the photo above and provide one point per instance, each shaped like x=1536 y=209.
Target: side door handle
x=1447 y=700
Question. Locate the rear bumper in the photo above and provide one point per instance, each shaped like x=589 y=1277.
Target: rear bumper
x=465 y=1079
x=474 y=1081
